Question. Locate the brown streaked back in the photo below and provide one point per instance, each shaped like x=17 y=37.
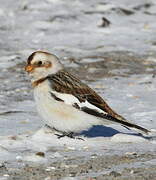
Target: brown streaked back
x=64 y=82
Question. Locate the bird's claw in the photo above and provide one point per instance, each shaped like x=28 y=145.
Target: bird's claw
x=70 y=135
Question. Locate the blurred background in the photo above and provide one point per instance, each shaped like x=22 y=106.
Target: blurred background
x=110 y=45
x=94 y=39
x=77 y=27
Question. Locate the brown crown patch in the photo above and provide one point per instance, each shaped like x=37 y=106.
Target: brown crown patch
x=31 y=57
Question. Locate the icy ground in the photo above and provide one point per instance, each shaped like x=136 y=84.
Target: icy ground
x=73 y=28
x=131 y=97
x=118 y=61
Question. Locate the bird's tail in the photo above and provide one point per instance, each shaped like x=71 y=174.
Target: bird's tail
x=119 y=119
x=114 y=117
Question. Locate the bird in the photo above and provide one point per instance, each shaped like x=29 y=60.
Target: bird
x=64 y=102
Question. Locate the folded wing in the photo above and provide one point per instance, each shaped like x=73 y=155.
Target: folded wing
x=85 y=99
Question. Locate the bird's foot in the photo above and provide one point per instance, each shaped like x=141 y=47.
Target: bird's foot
x=59 y=136
x=80 y=138
x=70 y=135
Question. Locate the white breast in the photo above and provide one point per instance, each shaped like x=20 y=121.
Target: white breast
x=61 y=115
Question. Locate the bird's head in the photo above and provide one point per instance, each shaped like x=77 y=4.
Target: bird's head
x=41 y=64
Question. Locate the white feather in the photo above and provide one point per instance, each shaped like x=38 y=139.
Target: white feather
x=62 y=115
x=70 y=99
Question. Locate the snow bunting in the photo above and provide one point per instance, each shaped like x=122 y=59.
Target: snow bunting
x=64 y=102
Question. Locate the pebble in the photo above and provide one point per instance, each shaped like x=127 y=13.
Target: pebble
x=50 y=168
x=6 y=175
x=64 y=165
x=71 y=148
x=56 y=155
x=42 y=154
x=48 y=178
x=132 y=171
x=86 y=147
x=93 y=156
x=114 y=173
x=130 y=153
x=19 y=158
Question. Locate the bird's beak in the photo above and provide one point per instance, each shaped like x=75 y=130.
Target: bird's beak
x=29 y=68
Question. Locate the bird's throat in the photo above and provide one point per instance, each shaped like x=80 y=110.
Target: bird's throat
x=39 y=81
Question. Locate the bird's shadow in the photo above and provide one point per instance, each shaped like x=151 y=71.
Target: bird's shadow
x=103 y=131
x=99 y=131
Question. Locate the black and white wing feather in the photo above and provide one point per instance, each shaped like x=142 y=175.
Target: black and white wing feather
x=70 y=90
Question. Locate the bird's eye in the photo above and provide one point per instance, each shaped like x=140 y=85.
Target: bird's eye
x=39 y=63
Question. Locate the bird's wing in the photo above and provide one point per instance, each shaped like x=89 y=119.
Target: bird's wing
x=63 y=82
x=67 y=88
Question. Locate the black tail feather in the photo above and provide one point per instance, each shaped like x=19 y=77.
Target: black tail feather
x=114 y=119
x=125 y=123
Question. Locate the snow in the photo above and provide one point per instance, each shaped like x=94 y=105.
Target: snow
x=126 y=138
x=71 y=30
x=35 y=159
x=139 y=107
x=43 y=140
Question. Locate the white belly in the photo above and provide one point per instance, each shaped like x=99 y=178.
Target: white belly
x=59 y=115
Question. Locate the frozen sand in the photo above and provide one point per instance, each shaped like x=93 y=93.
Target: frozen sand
x=71 y=30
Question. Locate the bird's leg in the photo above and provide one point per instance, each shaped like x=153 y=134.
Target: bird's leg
x=65 y=134
x=59 y=136
x=71 y=135
x=80 y=138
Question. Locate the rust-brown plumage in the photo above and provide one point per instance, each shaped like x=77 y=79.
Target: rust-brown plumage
x=39 y=81
x=31 y=57
x=63 y=82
